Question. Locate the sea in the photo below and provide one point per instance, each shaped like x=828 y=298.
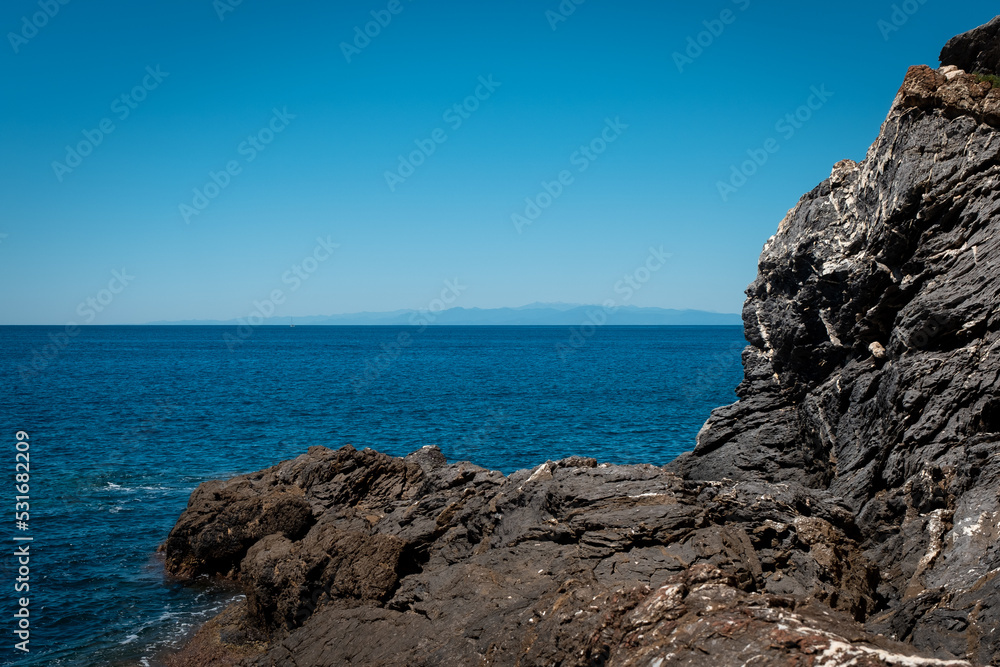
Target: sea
x=123 y=422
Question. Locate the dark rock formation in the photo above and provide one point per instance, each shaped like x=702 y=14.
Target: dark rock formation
x=874 y=358
x=975 y=51
x=845 y=511
x=415 y=562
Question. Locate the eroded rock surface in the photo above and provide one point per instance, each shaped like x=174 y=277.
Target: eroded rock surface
x=416 y=562
x=975 y=51
x=846 y=511
x=874 y=366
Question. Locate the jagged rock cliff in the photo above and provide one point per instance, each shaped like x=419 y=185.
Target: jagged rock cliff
x=845 y=511
x=874 y=358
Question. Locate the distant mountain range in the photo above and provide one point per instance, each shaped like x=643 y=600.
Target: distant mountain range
x=536 y=314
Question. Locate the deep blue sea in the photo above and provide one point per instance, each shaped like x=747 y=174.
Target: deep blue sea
x=124 y=422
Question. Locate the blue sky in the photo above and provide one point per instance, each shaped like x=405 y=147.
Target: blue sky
x=272 y=82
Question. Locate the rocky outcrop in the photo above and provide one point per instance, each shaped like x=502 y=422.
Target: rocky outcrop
x=874 y=359
x=844 y=512
x=416 y=562
x=975 y=51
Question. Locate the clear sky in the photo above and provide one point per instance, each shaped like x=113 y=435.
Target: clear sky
x=309 y=128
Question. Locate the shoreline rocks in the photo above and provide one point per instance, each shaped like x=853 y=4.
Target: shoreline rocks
x=844 y=511
x=437 y=564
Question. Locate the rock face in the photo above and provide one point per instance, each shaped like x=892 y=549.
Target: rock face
x=975 y=51
x=416 y=562
x=874 y=359
x=845 y=511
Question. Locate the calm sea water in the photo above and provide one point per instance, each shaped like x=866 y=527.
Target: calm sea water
x=126 y=421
